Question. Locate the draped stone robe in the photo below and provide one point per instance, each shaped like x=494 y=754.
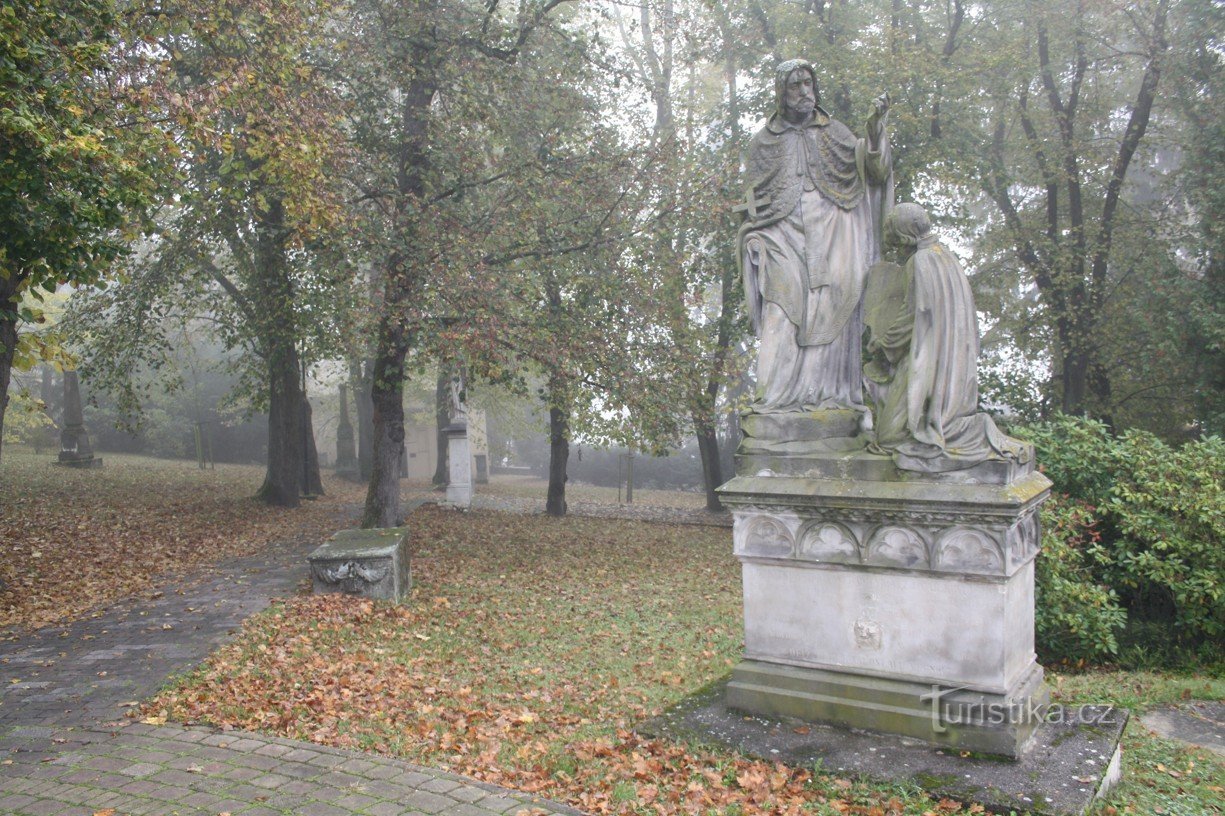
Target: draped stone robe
x=805 y=259
x=925 y=364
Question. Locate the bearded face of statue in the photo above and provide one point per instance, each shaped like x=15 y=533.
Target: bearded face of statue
x=799 y=96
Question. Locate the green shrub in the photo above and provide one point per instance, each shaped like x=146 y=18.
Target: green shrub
x=1077 y=454
x=1156 y=519
x=1168 y=505
x=1076 y=618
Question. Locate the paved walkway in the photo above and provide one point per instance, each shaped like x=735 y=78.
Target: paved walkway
x=67 y=748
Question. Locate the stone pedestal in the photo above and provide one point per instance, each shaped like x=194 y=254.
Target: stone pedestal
x=887 y=600
x=459 y=467
x=366 y=563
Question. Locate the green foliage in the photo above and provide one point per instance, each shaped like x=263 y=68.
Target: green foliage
x=1077 y=454
x=1169 y=507
x=26 y=419
x=1158 y=515
x=70 y=176
x=1076 y=618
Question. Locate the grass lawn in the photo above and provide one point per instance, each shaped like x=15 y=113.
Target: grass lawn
x=531 y=487
x=73 y=540
x=531 y=647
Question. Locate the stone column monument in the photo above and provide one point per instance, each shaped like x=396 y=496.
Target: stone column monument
x=346 y=449
x=75 y=450
x=885 y=527
x=459 y=455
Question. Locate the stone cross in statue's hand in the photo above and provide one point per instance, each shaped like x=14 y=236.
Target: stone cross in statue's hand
x=751 y=204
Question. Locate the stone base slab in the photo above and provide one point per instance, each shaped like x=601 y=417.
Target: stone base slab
x=1073 y=759
x=366 y=563
x=957 y=718
x=82 y=462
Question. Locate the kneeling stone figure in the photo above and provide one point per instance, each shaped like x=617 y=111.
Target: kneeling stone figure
x=921 y=356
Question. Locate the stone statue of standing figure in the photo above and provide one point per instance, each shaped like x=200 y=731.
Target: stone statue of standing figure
x=817 y=195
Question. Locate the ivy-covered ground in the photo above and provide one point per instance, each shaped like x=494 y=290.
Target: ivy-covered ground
x=530 y=648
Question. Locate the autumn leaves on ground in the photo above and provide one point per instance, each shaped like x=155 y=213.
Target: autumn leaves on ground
x=74 y=540
x=529 y=650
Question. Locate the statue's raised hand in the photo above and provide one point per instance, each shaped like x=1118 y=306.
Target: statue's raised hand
x=880 y=113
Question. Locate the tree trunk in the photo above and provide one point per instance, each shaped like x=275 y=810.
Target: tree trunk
x=283 y=477
x=8 y=350
x=402 y=282
x=442 y=418
x=559 y=454
x=387 y=396
x=314 y=480
x=359 y=381
x=712 y=469
x=283 y=481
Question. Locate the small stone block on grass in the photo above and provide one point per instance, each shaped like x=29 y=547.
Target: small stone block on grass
x=365 y=563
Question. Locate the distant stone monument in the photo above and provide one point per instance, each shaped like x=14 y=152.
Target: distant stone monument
x=346 y=450
x=459 y=456
x=888 y=574
x=75 y=450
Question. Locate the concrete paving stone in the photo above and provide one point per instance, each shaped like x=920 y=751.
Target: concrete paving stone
x=439 y=785
x=45 y=770
x=270 y=781
x=328 y=793
x=260 y=810
x=299 y=770
x=240 y=774
x=175 y=776
x=141 y=769
x=214 y=753
x=65 y=793
x=341 y=780
x=190 y=735
x=355 y=802
x=140 y=787
x=427 y=802
x=386 y=809
x=384 y=771
x=383 y=789
x=245 y=744
x=12 y=801
x=273 y=749
x=257 y=761
x=283 y=802
x=323 y=809
x=70 y=810
x=323 y=760
x=411 y=779
x=171 y=793
x=300 y=787
x=467 y=794
x=219 y=740
x=468 y=810
x=359 y=767
x=207 y=800
x=42 y=807
x=195 y=764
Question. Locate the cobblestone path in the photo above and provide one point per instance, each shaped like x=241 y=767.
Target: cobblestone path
x=67 y=748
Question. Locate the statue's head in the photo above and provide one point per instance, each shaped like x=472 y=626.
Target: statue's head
x=795 y=89
x=907 y=225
